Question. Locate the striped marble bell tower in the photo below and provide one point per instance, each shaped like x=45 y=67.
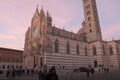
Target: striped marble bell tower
x=92 y=26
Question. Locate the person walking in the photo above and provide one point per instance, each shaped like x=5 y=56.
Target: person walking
x=51 y=75
x=8 y=73
x=92 y=72
x=45 y=70
x=41 y=75
x=88 y=74
x=107 y=70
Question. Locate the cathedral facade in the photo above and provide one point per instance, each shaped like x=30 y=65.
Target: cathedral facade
x=46 y=44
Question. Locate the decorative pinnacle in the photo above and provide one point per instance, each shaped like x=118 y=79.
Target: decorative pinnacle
x=42 y=6
x=37 y=6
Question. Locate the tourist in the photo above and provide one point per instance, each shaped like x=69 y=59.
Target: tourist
x=92 y=72
x=87 y=73
x=107 y=70
x=44 y=69
x=41 y=75
x=28 y=71
x=8 y=73
x=13 y=72
x=52 y=74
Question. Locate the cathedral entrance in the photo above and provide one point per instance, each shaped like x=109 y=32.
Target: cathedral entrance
x=34 y=62
x=41 y=61
x=95 y=64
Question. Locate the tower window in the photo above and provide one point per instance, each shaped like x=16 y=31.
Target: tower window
x=89 y=18
x=88 y=13
x=90 y=30
x=87 y=7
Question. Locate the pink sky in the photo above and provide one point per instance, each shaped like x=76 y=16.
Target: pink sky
x=15 y=17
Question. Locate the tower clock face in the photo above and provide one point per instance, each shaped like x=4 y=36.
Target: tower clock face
x=35 y=31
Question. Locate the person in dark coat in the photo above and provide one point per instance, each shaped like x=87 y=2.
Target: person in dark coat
x=52 y=74
x=8 y=73
x=41 y=75
x=28 y=71
x=107 y=70
x=92 y=72
x=87 y=73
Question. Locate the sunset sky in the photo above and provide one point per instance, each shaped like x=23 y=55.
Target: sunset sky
x=16 y=15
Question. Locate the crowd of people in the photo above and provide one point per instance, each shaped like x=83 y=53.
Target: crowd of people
x=15 y=72
x=43 y=74
x=91 y=71
x=51 y=75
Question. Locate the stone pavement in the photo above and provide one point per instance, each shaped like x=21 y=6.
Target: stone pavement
x=112 y=75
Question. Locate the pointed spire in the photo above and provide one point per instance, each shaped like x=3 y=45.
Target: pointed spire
x=37 y=6
x=47 y=13
x=42 y=6
x=42 y=11
x=37 y=11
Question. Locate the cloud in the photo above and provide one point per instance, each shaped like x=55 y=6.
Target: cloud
x=6 y=37
x=11 y=45
x=16 y=16
x=59 y=10
x=10 y=41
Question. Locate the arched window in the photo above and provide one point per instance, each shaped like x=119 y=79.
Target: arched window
x=111 y=50
x=68 y=48
x=90 y=25
x=88 y=12
x=90 y=30
x=56 y=46
x=86 y=51
x=103 y=49
x=94 y=50
x=77 y=49
x=89 y=18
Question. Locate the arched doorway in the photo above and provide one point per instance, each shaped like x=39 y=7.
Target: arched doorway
x=34 y=62
x=41 y=61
